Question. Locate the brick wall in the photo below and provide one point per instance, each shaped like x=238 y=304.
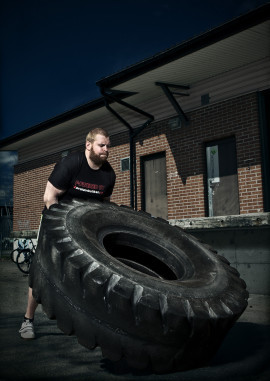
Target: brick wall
x=28 y=189
x=185 y=162
x=185 y=156
x=28 y=193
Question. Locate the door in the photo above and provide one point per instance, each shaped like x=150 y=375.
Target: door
x=222 y=180
x=154 y=185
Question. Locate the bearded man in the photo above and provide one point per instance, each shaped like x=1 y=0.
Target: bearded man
x=84 y=175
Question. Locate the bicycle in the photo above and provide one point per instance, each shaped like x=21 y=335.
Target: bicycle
x=22 y=244
x=23 y=255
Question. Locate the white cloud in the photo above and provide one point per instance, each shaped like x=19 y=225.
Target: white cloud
x=8 y=158
x=7 y=161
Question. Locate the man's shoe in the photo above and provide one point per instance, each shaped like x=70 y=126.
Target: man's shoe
x=27 y=330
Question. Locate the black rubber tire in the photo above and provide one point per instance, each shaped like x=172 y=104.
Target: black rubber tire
x=134 y=285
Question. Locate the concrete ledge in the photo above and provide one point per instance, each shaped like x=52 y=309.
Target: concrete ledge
x=237 y=221
x=24 y=234
x=228 y=222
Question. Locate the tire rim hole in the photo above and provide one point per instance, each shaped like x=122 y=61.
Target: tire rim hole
x=135 y=255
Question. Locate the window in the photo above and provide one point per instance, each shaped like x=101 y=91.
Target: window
x=124 y=164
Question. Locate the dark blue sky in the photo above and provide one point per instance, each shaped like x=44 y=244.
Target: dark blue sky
x=53 y=51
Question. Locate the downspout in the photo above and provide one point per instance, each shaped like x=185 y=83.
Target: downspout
x=132 y=135
x=131 y=149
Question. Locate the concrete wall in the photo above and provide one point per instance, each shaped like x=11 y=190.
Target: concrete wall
x=243 y=240
x=248 y=250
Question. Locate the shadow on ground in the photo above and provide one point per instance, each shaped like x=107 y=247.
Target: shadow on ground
x=244 y=355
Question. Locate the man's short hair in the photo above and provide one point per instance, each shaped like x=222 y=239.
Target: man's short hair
x=96 y=131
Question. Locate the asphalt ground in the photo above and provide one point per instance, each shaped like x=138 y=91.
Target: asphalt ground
x=244 y=354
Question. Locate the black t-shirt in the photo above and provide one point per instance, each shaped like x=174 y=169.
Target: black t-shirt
x=74 y=175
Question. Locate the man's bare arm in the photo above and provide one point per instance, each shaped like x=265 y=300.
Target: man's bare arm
x=51 y=195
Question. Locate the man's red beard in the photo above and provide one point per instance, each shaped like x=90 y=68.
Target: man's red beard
x=97 y=159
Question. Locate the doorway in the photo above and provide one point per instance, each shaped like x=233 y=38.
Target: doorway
x=222 y=179
x=154 y=185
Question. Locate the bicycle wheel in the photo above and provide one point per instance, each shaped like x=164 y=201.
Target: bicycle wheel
x=13 y=255
x=24 y=260
x=21 y=255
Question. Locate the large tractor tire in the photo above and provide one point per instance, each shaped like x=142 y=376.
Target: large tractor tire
x=134 y=285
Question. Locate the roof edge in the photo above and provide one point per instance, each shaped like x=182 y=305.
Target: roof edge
x=61 y=118
x=73 y=113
